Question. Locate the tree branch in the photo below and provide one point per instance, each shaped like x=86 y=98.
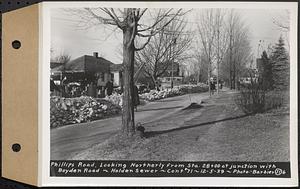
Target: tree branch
x=113 y=16
x=143 y=46
x=101 y=19
x=131 y=41
x=142 y=13
x=154 y=30
x=158 y=20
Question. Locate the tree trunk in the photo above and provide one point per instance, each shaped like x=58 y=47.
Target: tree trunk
x=198 y=76
x=128 y=126
x=218 y=77
x=234 y=75
x=230 y=61
x=208 y=75
x=218 y=61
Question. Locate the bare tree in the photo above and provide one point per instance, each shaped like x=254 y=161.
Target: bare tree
x=129 y=21
x=242 y=52
x=221 y=42
x=63 y=58
x=282 y=21
x=199 y=66
x=233 y=20
x=223 y=39
x=239 y=50
x=207 y=32
x=167 y=47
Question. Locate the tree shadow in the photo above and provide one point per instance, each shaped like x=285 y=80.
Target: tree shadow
x=155 y=109
x=155 y=133
x=168 y=100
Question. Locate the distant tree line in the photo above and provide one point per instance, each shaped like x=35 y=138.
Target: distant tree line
x=222 y=47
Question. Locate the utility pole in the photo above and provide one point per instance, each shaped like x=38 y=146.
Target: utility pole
x=258 y=49
x=230 y=59
x=62 y=80
x=198 y=75
x=208 y=77
x=172 y=76
x=234 y=66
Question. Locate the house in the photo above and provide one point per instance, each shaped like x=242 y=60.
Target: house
x=55 y=64
x=259 y=66
x=116 y=71
x=249 y=75
x=89 y=68
x=172 y=71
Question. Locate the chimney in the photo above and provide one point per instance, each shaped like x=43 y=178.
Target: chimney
x=95 y=54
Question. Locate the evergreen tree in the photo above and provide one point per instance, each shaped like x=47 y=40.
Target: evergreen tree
x=280 y=66
x=266 y=76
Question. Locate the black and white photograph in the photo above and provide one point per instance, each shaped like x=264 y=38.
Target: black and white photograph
x=162 y=84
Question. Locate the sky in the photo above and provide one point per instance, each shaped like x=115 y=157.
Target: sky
x=68 y=37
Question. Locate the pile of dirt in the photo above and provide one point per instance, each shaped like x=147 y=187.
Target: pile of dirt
x=193 y=105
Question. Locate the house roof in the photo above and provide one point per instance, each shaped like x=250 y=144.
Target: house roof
x=55 y=64
x=116 y=67
x=86 y=63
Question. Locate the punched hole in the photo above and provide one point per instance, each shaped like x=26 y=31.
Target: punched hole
x=16 y=44
x=16 y=147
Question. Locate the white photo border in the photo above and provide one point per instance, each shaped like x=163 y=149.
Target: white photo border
x=44 y=103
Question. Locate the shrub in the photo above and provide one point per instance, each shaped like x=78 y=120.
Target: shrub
x=193 y=88
x=115 y=98
x=253 y=98
x=274 y=100
x=65 y=111
x=176 y=91
x=156 y=95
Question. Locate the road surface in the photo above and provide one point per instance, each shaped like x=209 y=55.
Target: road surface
x=69 y=140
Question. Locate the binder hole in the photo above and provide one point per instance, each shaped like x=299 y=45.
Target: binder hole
x=16 y=44
x=16 y=147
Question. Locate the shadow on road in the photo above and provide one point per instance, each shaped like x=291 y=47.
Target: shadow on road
x=155 y=133
x=168 y=100
x=154 y=109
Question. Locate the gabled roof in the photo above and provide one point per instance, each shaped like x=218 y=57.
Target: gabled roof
x=86 y=63
x=116 y=67
x=55 y=64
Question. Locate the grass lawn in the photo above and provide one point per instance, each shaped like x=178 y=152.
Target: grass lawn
x=219 y=131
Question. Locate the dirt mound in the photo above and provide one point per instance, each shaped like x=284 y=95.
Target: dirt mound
x=193 y=106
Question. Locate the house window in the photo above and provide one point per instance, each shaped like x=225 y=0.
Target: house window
x=102 y=76
x=112 y=76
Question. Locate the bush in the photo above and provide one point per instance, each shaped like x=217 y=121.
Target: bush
x=176 y=91
x=156 y=95
x=115 y=98
x=65 y=111
x=273 y=100
x=193 y=88
x=253 y=98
